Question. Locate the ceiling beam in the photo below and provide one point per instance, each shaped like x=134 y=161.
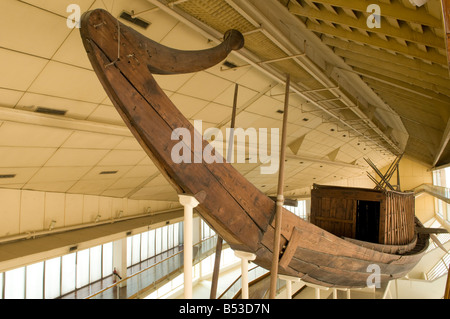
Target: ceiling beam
x=404 y=75
x=399 y=84
x=377 y=57
x=391 y=44
x=403 y=32
x=429 y=106
x=443 y=144
x=27 y=117
x=394 y=9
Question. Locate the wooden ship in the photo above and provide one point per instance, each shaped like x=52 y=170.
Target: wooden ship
x=350 y=230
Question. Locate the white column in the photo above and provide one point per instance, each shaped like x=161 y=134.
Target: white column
x=189 y=203
x=120 y=259
x=317 y=289
x=289 y=281
x=334 y=293
x=245 y=258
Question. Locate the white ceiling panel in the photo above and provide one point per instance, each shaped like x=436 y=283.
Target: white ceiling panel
x=182 y=38
x=13 y=64
x=227 y=97
x=118 y=192
x=24 y=156
x=58 y=174
x=18 y=134
x=62 y=80
x=54 y=186
x=60 y=7
x=129 y=143
x=96 y=172
x=142 y=170
x=76 y=157
x=74 y=109
x=72 y=51
x=23 y=175
x=92 y=141
x=106 y=114
x=122 y=157
x=204 y=86
x=9 y=98
x=214 y=113
x=128 y=183
x=91 y=187
x=187 y=105
x=26 y=28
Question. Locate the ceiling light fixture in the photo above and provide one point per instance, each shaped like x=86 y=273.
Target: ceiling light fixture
x=108 y=172
x=136 y=21
x=418 y=3
x=46 y=110
x=7 y=175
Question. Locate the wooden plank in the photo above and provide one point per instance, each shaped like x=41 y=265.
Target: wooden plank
x=446 y=16
x=421 y=230
x=290 y=249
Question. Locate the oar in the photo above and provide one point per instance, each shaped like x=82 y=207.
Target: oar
x=280 y=198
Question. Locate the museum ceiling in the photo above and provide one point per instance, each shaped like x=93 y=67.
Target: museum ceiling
x=356 y=92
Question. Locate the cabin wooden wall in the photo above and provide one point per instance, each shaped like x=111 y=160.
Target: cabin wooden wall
x=334 y=209
x=335 y=215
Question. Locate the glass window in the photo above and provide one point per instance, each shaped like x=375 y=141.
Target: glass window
x=151 y=243
x=170 y=236
x=158 y=243
x=107 y=259
x=35 y=281
x=144 y=246
x=164 y=238
x=82 y=268
x=15 y=283
x=95 y=263
x=128 y=251
x=181 y=233
x=136 y=249
x=68 y=273
x=52 y=278
x=176 y=234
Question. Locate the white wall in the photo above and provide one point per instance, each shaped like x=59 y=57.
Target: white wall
x=23 y=211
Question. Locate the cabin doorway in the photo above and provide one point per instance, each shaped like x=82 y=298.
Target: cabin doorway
x=368 y=221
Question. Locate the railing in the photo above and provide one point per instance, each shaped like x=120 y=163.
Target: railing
x=144 y=280
x=443 y=193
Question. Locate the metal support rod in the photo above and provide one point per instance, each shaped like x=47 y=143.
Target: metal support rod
x=215 y=277
x=280 y=197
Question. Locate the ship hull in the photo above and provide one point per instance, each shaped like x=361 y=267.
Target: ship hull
x=239 y=212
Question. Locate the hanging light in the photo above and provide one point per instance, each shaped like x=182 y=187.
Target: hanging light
x=418 y=3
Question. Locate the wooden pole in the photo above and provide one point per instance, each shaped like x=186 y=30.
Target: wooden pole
x=447 y=286
x=280 y=198
x=215 y=277
x=219 y=245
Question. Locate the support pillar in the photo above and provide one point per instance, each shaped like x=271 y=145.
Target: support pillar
x=189 y=203
x=245 y=258
x=120 y=259
x=289 y=281
x=317 y=289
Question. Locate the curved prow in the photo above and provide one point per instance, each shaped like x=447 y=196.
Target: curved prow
x=159 y=58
